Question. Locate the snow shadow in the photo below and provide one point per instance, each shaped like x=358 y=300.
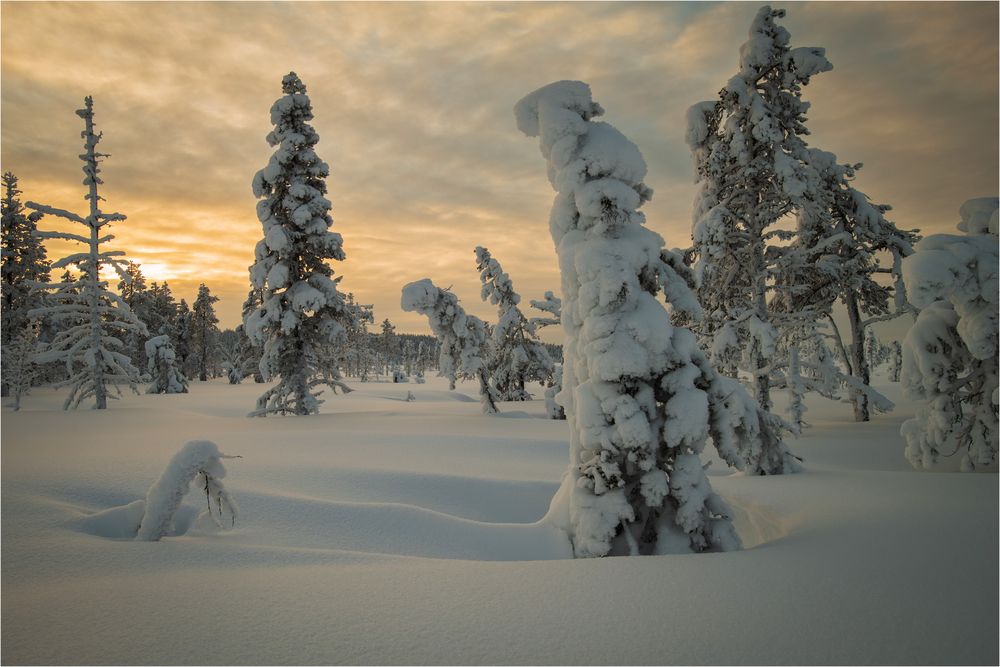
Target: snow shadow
x=122 y=522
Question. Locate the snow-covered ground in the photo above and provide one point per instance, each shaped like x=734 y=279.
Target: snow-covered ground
x=383 y=531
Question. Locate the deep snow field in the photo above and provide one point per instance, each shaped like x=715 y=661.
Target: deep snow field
x=384 y=532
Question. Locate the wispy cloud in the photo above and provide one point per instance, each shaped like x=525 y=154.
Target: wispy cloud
x=413 y=104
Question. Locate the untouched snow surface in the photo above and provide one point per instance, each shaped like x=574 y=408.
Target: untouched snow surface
x=384 y=531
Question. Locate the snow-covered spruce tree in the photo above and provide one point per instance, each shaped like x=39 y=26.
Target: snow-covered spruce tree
x=199 y=461
x=950 y=356
x=464 y=339
x=809 y=273
x=518 y=356
x=552 y=305
x=751 y=166
x=19 y=369
x=359 y=357
x=160 y=310
x=388 y=346
x=204 y=330
x=857 y=233
x=167 y=377
x=93 y=319
x=302 y=313
x=182 y=337
x=251 y=352
x=240 y=357
x=641 y=399
x=24 y=263
x=132 y=290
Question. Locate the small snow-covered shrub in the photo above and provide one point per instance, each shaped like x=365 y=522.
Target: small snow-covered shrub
x=167 y=377
x=199 y=461
x=19 y=370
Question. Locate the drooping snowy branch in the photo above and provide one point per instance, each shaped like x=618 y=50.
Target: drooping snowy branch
x=199 y=461
x=463 y=337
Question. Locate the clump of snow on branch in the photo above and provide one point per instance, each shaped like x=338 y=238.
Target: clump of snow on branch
x=641 y=398
x=950 y=353
x=198 y=462
x=301 y=312
x=463 y=337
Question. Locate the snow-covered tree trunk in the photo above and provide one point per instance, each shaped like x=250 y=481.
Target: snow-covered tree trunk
x=640 y=397
x=199 y=461
x=858 y=361
x=463 y=337
x=895 y=361
x=95 y=319
x=302 y=313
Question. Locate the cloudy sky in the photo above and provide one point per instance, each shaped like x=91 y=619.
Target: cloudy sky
x=413 y=106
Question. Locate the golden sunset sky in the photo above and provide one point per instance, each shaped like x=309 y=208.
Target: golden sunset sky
x=413 y=106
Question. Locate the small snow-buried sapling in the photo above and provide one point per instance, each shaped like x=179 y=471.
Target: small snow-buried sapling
x=199 y=461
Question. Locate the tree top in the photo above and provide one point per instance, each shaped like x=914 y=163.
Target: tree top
x=291 y=83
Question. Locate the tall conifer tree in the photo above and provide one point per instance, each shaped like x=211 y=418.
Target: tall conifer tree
x=302 y=313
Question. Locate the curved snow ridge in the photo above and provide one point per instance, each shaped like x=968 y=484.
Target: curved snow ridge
x=394 y=528
x=474 y=498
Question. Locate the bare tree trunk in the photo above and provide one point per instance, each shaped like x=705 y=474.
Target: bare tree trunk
x=860 y=371
x=93 y=279
x=762 y=381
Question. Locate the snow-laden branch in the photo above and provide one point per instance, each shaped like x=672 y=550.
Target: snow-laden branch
x=58 y=212
x=199 y=461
